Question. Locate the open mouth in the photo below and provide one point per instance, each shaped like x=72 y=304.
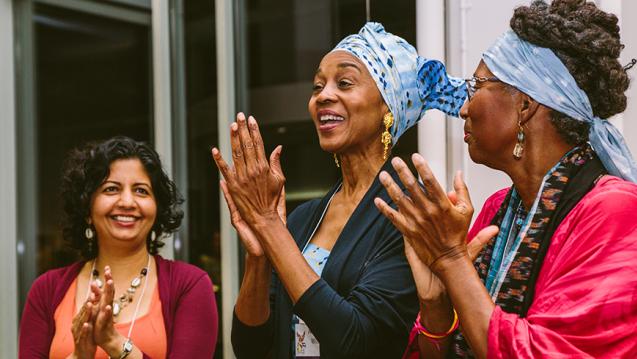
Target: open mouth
x=330 y=119
x=124 y=219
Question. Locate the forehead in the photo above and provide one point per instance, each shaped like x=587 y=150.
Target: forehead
x=482 y=70
x=340 y=59
x=129 y=168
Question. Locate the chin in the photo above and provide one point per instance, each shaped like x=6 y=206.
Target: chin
x=329 y=145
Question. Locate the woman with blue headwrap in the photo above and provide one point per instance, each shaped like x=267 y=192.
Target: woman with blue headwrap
x=559 y=279
x=340 y=283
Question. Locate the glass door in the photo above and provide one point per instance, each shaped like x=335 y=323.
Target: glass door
x=86 y=75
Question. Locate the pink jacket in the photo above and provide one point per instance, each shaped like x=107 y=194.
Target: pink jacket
x=585 y=304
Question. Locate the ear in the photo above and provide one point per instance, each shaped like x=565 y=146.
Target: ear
x=528 y=107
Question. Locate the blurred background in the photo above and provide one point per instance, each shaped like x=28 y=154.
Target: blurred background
x=174 y=73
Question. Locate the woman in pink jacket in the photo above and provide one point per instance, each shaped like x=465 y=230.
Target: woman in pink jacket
x=559 y=279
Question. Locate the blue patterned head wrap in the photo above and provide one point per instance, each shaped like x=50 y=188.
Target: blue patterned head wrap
x=539 y=73
x=409 y=84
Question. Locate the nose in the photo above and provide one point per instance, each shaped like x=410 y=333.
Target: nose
x=464 y=110
x=126 y=199
x=327 y=94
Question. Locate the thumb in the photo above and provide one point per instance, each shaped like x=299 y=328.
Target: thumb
x=453 y=197
x=275 y=161
x=463 y=200
x=281 y=206
x=480 y=240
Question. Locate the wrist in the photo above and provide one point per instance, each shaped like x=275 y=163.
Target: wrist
x=436 y=315
x=258 y=263
x=113 y=347
x=265 y=220
x=447 y=262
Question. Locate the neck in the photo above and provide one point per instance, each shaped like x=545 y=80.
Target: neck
x=124 y=263
x=528 y=173
x=359 y=170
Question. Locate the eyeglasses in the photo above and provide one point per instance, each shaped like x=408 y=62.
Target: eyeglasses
x=472 y=82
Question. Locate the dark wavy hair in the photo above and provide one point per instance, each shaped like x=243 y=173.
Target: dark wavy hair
x=87 y=167
x=587 y=41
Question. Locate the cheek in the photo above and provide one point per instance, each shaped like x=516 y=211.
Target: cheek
x=311 y=106
x=150 y=210
x=99 y=205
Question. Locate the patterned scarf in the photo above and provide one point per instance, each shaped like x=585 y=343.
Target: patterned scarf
x=520 y=239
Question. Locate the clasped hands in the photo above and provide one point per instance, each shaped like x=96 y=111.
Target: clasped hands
x=434 y=224
x=253 y=185
x=93 y=326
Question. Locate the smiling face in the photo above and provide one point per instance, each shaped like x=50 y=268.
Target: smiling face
x=123 y=208
x=346 y=106
x=491 y=121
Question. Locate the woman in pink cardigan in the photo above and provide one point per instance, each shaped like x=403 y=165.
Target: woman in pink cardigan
x=122 y=300
x=558 y=277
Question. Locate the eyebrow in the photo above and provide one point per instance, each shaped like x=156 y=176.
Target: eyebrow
x=134 y=184
x=347 y=64
x=342 y=65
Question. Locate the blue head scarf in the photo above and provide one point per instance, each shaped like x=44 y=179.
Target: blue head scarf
x=409 y=84
x=539 y=73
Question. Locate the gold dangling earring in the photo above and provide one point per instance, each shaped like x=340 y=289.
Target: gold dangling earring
x=385 y=138
x=519 y=147
x=336 y=160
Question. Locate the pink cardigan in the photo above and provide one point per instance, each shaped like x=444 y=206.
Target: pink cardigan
x=188 y=307
x=586 y=294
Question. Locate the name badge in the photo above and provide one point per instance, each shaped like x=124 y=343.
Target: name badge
x=305 y=344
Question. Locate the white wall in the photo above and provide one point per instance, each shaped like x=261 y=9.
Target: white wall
x=629 y=38
x=8 y=221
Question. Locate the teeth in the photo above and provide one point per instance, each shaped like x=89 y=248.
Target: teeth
x=331 y=118
x=124 y=218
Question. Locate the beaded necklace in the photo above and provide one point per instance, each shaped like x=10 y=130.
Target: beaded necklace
x=127 y=297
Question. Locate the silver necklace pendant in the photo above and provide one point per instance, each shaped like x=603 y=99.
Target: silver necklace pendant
x=127 y=296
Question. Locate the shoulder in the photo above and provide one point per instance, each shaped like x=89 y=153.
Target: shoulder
x=52 y=279
x=48 y=289
x=611 y=195
x=612 y=200
x=604 y=217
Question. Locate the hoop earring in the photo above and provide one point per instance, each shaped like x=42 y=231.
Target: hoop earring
x=385 y=138
x=336 y=160
x=519 y=147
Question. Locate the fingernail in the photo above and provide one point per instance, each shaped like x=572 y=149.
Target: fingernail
x=241 y=117
x=215 y=151
x=383 y=176
x=234 y=126
x=395 y=161
x=416 y=157
x=252 y=121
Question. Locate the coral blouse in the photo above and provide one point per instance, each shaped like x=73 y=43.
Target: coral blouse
x=149 y=333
